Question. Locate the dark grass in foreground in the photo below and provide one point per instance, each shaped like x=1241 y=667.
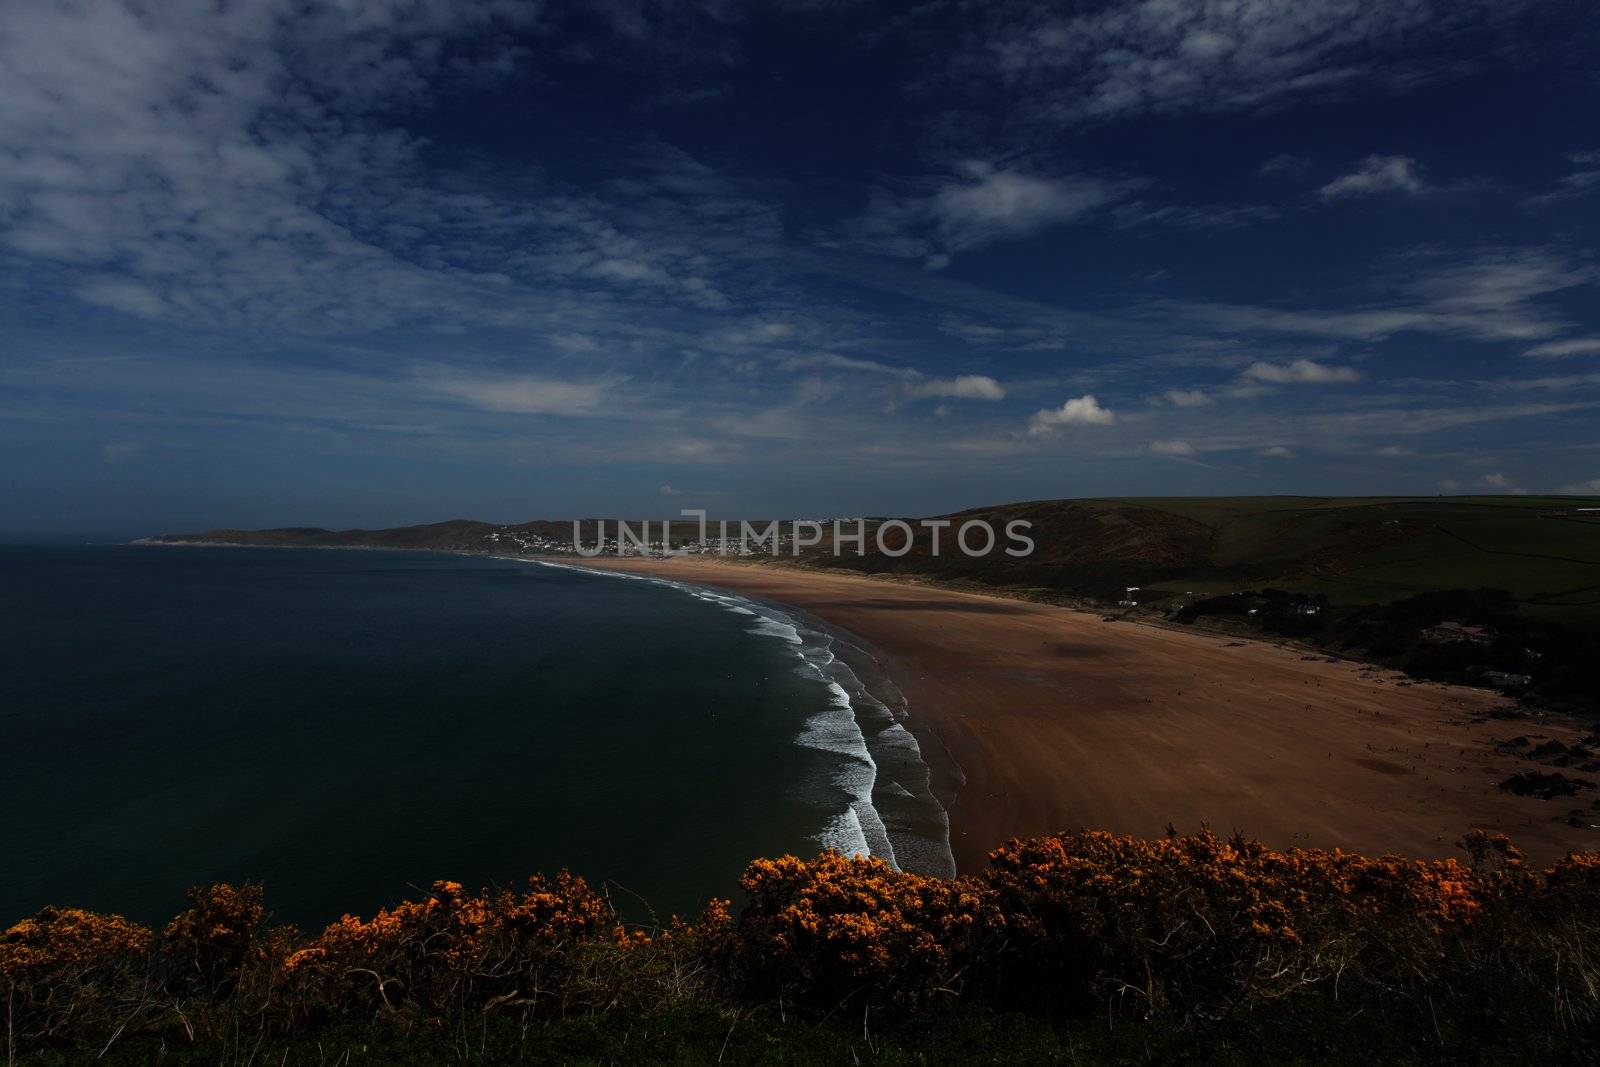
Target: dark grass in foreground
x=1075 y=948
x=1314 y=1030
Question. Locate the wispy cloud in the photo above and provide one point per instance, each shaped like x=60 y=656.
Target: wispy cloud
x=1299 y=372
x=1492 y=296
x=1142 y=56
x=1376 y=174
x=983 y=204
x=992 y=204
x=1581 y=181
x=522 y=394
x=1577 y=346
x=963 y=387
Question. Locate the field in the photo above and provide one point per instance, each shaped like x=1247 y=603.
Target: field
x=1539 y=550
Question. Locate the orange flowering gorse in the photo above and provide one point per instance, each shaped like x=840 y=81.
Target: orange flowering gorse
x=833 y=926
x=217 y=935
x=67 y=971
x=426 y=955
x=1204 y=922
x=1196 y=926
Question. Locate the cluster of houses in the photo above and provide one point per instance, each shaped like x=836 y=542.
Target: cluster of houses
x=762 y=540
x=528 y=542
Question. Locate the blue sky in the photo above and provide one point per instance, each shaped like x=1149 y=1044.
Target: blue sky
x=345 y=263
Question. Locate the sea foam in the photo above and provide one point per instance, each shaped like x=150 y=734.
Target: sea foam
x=838 y=729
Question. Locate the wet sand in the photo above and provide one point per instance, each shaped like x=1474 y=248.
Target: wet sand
x=1054 y=719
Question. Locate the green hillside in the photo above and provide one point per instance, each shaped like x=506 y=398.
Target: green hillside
x=1544 y=551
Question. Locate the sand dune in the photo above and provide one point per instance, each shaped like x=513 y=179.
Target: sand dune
x=1056 y=719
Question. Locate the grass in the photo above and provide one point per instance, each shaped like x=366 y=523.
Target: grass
x=1338 y=547
x=1317 y=1030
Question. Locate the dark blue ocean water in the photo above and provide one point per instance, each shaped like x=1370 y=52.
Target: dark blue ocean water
x=344 y=726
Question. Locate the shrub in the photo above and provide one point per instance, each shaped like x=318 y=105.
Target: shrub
x=1193 y=928
x=70 y=974
x=216 y=936
x=451 y=950
x=833 y=928
x=1201 y=924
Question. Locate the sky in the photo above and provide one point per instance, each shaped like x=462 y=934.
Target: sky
x=340 y=263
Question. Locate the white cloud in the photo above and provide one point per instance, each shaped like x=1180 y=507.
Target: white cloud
x=1140 y=56
x=120 y=294
x=1299 y=372
x=1188 y=398
x=963 y=387
x=238 y=166
x=849 y=363
x=200 y=148
x=1079 y=411
x=1276 y=452
x=996 y=204
x=983 y=205
x=1388 y=421
x=1171 y=448
x=667 y=490
x=1489 y=297
x=522 y=394
x=1578 y=346
x=1561 y=383
x=1376 y=174
x=1588 y=488
x=1580 y=182
x=1022 y=338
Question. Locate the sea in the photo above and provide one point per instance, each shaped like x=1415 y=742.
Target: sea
x=347 y=726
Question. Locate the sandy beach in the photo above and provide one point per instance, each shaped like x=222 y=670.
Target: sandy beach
x=1039 y=718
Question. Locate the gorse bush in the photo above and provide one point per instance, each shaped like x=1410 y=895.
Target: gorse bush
x=217 y=936
x=453 y=948
x=1190 y=928
x=68 y=973
x=1204 y=924
x=833 y=928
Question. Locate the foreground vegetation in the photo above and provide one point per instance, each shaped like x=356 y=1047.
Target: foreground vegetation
x=1075 y=948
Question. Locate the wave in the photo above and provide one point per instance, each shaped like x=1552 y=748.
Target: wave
x=856 y=726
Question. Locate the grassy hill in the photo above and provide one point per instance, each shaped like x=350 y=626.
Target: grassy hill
x=1544 y=551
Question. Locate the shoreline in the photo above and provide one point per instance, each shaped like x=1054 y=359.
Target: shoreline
x=1050 y=718
x=1036 y=717
x=901 y=815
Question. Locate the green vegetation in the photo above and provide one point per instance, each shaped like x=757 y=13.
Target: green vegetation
x=1371 y=564
x=1544 y=551
x=1083 y=948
